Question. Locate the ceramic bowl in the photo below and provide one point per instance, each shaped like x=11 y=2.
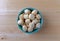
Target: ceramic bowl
x=35 y=30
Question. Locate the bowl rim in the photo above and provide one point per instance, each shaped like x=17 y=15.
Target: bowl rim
x=33 y=9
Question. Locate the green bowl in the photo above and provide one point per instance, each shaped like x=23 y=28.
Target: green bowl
x=35 y=30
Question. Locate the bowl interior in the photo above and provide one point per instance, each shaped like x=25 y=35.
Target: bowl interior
x=31 y=9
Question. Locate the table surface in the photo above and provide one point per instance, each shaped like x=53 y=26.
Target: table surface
x=50 y=10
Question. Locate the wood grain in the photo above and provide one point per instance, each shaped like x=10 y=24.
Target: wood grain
x=50 y=10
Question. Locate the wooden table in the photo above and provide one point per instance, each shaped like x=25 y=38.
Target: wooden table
x=51 y=13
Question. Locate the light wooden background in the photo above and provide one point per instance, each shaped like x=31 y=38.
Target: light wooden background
x=50 y=10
